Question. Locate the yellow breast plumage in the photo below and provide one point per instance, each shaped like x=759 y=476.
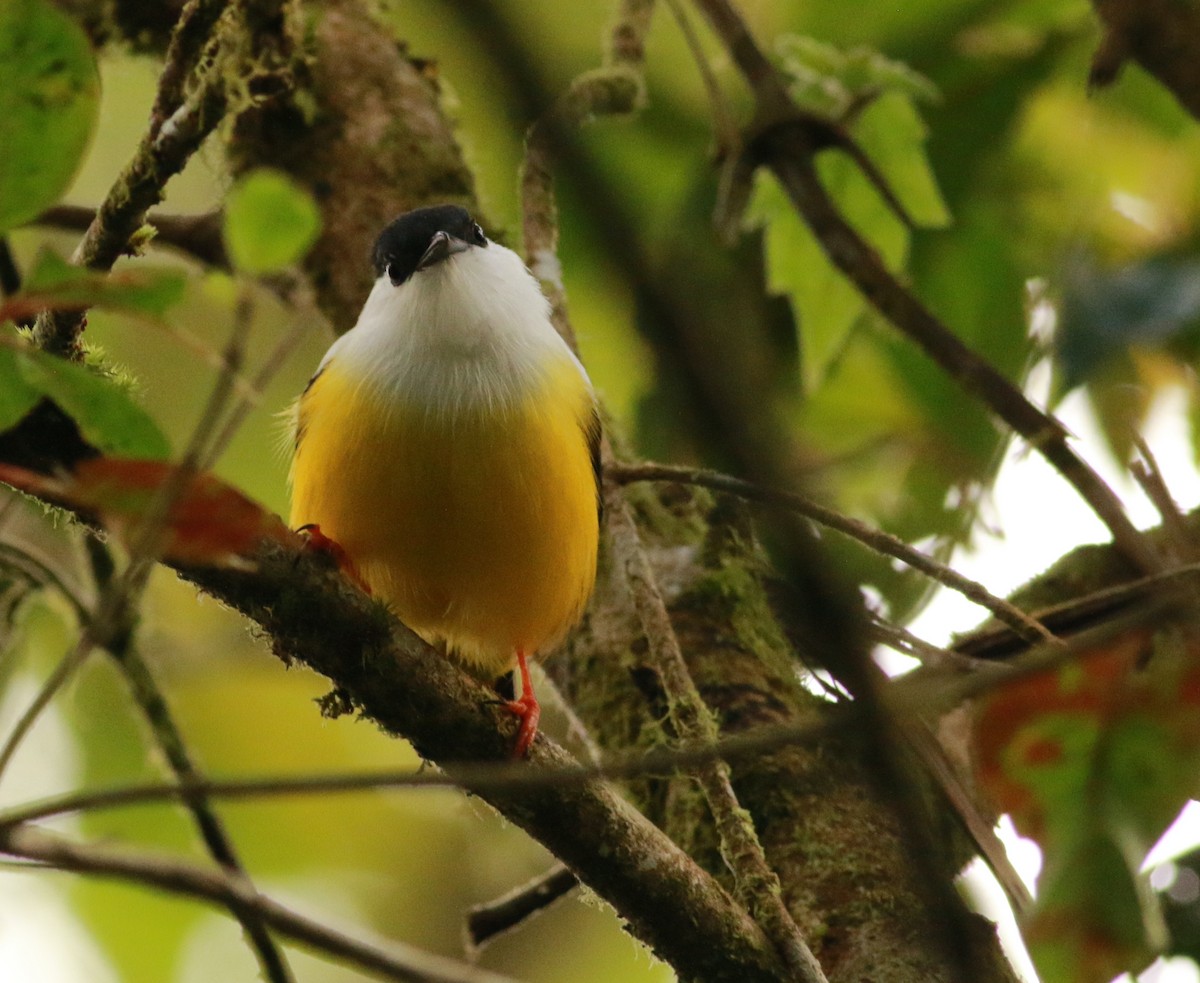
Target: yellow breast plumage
x=478 y=527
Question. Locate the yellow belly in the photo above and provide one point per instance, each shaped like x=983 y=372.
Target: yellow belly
x=479 y=529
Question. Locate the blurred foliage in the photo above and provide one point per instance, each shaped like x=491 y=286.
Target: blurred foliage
x=975 y=112
x=269 y=222
x=1094 y=761
x=106 y=415
x=52 y=282
x=49 y=92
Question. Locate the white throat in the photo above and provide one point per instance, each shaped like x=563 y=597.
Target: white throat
x=471 y=331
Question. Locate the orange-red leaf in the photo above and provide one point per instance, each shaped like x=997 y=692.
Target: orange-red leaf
x=209 y=523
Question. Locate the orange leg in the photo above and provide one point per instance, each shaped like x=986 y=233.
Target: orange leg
x=526 y=707
x=318 y=542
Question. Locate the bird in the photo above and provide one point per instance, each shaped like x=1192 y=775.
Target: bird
x=448 y=446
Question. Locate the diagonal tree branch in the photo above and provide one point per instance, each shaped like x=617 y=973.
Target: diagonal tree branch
x=161 y=154
x=312 y=615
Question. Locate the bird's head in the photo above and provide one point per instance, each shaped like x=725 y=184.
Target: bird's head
x=424 y=238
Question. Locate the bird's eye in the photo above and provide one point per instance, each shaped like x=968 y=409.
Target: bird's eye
x=477 y=236
x=390 y=270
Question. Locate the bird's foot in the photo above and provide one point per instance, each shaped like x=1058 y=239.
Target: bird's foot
x=526 y=708
x=316 y=541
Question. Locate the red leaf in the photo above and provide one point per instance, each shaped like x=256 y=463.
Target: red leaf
x=209 y=523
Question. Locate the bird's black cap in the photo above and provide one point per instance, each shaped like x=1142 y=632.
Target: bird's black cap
x=400 y=246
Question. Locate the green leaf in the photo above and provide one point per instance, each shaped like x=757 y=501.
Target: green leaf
x=49 y=96
x=270 y=222
x=55 y=283
x=17 y=396
x=831 y=81
x=1095 y=916
x=824 y=302
x=893 y=134
x=106 y=415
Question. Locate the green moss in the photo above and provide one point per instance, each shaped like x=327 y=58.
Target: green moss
x=669 y=513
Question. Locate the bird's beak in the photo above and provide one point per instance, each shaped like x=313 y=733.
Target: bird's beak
x=441 y=247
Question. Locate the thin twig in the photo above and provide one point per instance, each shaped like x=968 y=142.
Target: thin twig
x=1149 y=476
x=726 y=135
x=152 y=702
x=140 y=185
x=885 y=543
x=43 y=575
x=927 y=747
x=902 y=640
x=396 y=962
x=198 y=236
x=488 y=921
x=250 y=393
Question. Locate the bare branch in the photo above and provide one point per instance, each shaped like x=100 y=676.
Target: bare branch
x=1029 y=628
x=199 y=236
x=160 y=156
x=492 y=919
x=396 y=962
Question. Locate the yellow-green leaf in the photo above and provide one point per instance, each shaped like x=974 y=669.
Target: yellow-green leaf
x=270 y=222
x=49 y=95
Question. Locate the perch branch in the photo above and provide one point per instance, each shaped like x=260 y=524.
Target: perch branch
x=312 y=615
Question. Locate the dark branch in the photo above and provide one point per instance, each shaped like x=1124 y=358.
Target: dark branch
x=487 y=921
x=1163 y=36
x=199 y=236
